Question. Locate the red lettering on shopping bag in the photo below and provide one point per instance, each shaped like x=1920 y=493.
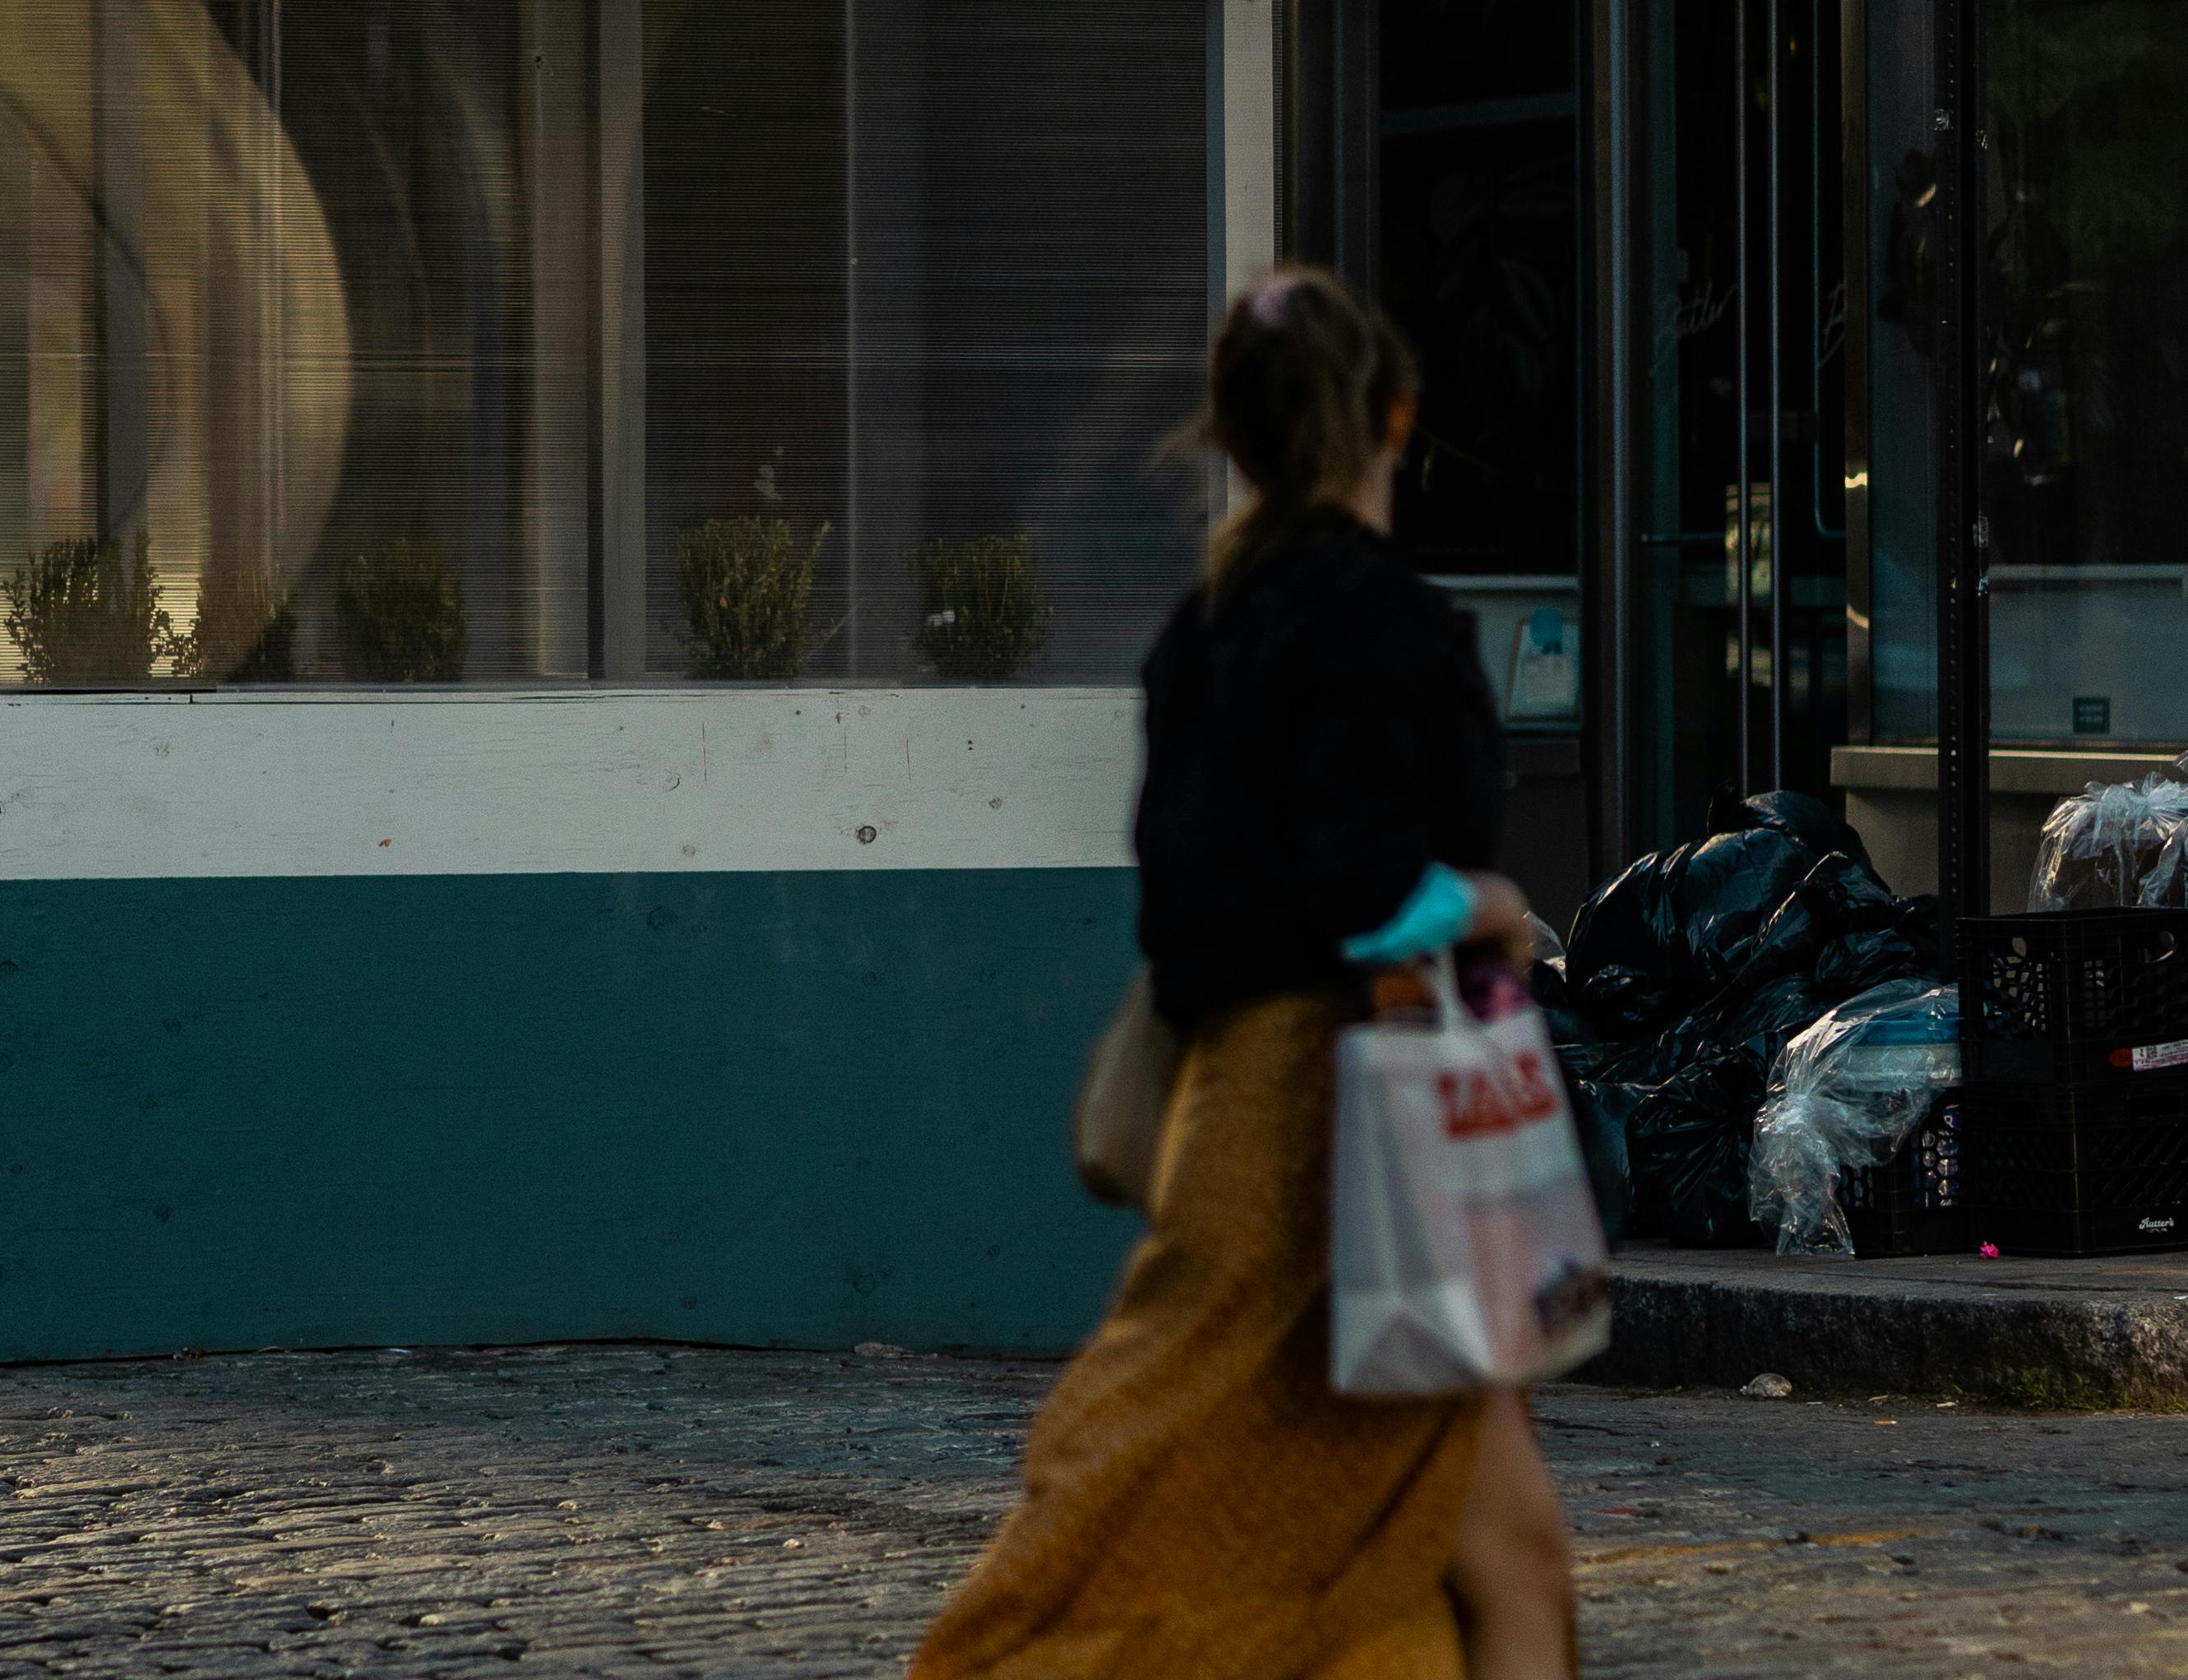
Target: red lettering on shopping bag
x=1533 y=1086
x=1474 y=1105
x=1477 y=1103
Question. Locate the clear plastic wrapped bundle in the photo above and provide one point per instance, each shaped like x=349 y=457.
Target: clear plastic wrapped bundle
x=1848 y=1093
x=2113 y=846
x=2165 y=885
x=1549 y=947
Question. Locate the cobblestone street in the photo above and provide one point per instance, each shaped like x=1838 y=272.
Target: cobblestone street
x=650 y=1511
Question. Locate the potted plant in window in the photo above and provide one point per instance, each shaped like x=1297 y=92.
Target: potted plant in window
x=983 y=615
x=399 y=614
x=747 y=585
x=243 y=633
x=80 y=616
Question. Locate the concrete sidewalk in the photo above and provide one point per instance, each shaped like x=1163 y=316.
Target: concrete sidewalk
x=2081 y=1332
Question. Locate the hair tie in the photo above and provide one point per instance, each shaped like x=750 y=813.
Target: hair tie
x=1266 y=305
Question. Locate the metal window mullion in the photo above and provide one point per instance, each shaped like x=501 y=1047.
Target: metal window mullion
x=854 y=484
x=619 y=188
x=1245 y=83
x=272 y=388
x=1775 y=326
x=1744 y=552
x=1963 y=626
x=1854 y=204
x=1616 y=672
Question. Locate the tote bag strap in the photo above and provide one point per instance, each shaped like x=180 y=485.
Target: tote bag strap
x=1440 y=973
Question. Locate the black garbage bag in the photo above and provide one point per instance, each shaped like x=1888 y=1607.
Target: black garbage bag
x=1546 y=980
x=1730 y=887
x=1567 y=1028
x=1617 y=956
x=1767 y=1018
x=1639 y=1061
x=1688 y=1143
x=1841 y=928
x=1757 y=1018
x=1797 y=816
x=1603 y=1147
x=1673 y=929
x=1624 y=1002
x=1695 y=968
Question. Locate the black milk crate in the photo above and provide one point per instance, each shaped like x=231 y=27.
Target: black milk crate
x=2076 y=1169
x=1916 y=1203
x=2034 y=1061
x=2081 y=996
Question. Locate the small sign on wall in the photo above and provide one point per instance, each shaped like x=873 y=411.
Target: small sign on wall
x=2093 y=715
x=1545 y=683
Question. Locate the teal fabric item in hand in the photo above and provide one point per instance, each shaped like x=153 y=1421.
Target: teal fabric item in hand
x=1438 y=914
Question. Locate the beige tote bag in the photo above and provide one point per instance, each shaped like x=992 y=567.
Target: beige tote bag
x=1116 y=1126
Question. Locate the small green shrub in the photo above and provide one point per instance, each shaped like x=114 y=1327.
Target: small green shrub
x=82 y=616
x=243 y=634
x=272 y=657
x=399 y=615
x=748 y=597
x=983 y=615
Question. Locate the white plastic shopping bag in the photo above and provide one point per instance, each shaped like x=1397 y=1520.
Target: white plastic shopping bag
x=1465 y=1248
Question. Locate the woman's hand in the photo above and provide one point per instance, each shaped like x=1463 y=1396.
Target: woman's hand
x=1500 y=921
x=1447 y=909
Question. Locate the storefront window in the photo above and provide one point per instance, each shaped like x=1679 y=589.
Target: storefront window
x=1899 y=474
x=610 y=340
x=1481 y=266
x=2086 y=485
x=1736 y=324
x=2085 y=322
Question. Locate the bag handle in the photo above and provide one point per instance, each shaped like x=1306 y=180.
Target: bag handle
x=1441 y=974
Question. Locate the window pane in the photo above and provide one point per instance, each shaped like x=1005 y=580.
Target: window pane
x=941 y=279
x=1481 y=255
x=404 y=341
x=2086 y=481
x=1901 y=301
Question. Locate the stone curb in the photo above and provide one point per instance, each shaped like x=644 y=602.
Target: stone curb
x=2091 y=1334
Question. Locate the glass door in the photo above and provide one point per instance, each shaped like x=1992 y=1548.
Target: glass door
x=1480 y=260
x=2021 y=544
x=1734 y=559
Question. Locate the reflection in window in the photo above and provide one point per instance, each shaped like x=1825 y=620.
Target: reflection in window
x=1901 y=287
x=2086 y=481
x=2089 y=455
x=2085 y=320
x=401 y=340
x=1480 y=262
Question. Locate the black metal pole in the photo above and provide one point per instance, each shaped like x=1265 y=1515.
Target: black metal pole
x=1743 y=554
x=1779 y=686
x=1963 y=533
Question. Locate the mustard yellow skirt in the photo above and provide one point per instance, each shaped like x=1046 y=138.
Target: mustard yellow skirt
x=1197 y=1502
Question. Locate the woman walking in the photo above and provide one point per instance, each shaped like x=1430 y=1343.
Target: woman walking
x=1325 y=779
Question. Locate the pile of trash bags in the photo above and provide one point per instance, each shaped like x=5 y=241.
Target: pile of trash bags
x=1848 y=1093
x=2115 y=845
x=1686 y=977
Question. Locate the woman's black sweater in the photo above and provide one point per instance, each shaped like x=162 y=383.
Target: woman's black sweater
x=1314 y=740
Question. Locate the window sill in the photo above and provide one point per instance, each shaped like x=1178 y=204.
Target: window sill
x=407 y=694
x=2049 y=772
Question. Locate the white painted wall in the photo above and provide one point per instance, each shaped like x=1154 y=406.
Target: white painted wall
x=455 y=782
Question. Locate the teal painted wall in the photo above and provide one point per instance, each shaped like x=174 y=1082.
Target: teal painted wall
x=803 y=1110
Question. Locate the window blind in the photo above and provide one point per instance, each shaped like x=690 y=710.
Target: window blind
x=597 y=340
